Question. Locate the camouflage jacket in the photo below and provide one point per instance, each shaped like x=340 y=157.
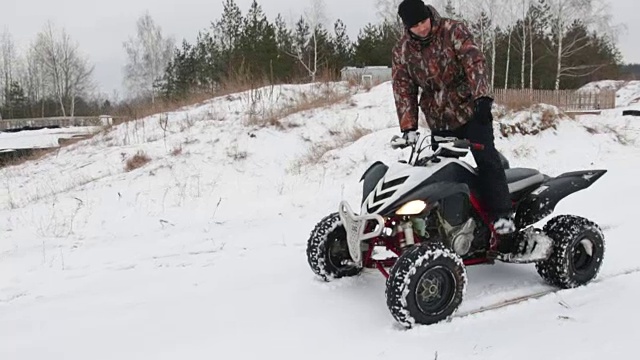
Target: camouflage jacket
x=449 y=68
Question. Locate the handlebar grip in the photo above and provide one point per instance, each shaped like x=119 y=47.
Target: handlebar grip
x=466 y=144
x=398 y=143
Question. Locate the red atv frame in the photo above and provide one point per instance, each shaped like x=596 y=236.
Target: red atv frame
x=393 y=244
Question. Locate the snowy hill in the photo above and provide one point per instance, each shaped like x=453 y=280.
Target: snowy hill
x=200 y=253
x=627 y=92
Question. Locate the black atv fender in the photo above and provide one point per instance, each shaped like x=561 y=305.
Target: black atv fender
x=541 y=202
x=371 y=178
x=431 y=194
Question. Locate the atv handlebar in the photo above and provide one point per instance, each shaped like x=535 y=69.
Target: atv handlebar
x=398 y=142
x=466 y=144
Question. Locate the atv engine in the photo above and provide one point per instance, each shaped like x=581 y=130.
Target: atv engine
x=457 y=224
x=459 y=238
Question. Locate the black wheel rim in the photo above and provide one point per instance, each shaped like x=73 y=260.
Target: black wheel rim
x=435 y=290
x=582 y=254
x=338 y=250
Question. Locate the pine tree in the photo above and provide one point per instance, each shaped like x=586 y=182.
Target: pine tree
x=342 y=47
x=537 y=22
x=226 y=33
x=375 y=45
x=283 y=68
x=15 y=102
x=257 y=45
x=481 y=29
x=451 y=12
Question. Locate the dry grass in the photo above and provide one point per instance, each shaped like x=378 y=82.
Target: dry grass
x=237 y=82
x=591 y=130
x=517 y=104
x=144 y=108
x=34 y=155
x=548 y=120
x=264 y=110
x=621 y=136
x=256 y=92
x=176 y=151
x=317 y=151
x=137 y=161
x=315 y=154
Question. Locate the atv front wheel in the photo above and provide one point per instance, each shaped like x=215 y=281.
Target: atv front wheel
x=328 y=252
x=578 y=251
x=425 y=285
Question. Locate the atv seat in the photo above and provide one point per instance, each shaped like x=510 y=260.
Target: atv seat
x=522 y=178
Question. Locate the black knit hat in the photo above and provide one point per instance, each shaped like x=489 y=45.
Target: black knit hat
x=413 y=12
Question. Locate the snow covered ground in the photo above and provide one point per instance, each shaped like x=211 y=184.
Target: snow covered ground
x=200 y=254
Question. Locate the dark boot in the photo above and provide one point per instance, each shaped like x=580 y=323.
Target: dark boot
x=504 y=224
x=492 y=181
x=525 y=246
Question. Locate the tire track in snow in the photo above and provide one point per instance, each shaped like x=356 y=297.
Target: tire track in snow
x=521 y=299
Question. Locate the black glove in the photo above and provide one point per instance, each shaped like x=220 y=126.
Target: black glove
x=482 y=110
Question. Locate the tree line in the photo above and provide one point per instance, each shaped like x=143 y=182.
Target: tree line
x=542 y=44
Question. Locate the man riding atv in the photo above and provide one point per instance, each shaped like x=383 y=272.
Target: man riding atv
x=439 y=56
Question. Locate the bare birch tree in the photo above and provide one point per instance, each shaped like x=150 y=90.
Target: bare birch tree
x=7 y=63
x=591 y=14
x=305 y=46
x=33 y=79
x=66 y=71
x=523 y=6
x=388 y=13
x=530 y=21
x=491 y=8
x=148 y=55
x=537 y=25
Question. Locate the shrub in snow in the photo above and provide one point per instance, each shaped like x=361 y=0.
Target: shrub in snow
x=138 y=160
x=531 y=121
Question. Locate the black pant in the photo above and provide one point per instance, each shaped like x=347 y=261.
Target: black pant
x=492 y=182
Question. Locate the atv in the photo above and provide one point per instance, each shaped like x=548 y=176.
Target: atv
x=423 y=220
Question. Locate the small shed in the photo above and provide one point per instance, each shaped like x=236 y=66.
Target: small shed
x=368 y=75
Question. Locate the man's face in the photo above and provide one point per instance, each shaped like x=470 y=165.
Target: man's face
x=422 y=28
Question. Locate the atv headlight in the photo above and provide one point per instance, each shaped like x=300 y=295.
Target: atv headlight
x=414 y=207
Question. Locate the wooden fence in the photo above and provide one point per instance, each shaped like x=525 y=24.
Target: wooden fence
x=567 y=100
x=15 y=124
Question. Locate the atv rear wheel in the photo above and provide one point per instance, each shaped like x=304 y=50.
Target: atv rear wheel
x=426 y=285
x=328 y=252
x=578 y=251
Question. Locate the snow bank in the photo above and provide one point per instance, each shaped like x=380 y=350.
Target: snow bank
x=627 y=92
x=43 y=138
x=604 y=85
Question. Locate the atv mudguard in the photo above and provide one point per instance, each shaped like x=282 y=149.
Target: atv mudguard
x=541 y=202
x=371 y=177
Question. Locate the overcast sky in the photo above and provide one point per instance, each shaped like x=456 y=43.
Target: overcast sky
x=100 y=27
